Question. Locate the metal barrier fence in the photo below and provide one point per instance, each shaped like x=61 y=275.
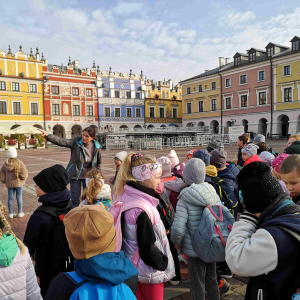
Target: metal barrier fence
x=165 y=142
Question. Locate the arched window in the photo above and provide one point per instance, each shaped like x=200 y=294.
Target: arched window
x=149 y=93
x=167 y=95
x=163 y=95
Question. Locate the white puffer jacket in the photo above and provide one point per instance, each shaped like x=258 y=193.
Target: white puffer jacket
x=18 y=281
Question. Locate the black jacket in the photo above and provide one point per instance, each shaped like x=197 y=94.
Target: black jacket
x=77 y=159
x=36 y=227
x=240 y=161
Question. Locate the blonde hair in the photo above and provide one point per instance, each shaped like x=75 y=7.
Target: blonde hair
x=94 y=187
x=125 y=174
x=295 y=136
x=3 y=212
x=16 y=166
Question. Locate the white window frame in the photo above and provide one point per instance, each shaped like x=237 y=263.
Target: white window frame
x=79 y=110
x=140 y=112
x=90 y=90
x=12 y=106
x=118 y=91
x=187 y=107
x=86 y=110
x=246 y=79
x=176 y=108
x=199 y=88
x=242 y=93
x=5 y=83
x=131 y=112
x=262 y=90
x=284 y=86
x=225 y=104
x=164 y=111
x=31 y=84
x=212 y=85
x=258 y=80
x=283 y=70
x=115 y=111
x=188 y=88
x=104 y=93
x=152 y=106
x=211 y=104
x=104 y=111
x=38 y=105
x=2 y=100
x=59 y=107
x=15 y=83
x=228 y=78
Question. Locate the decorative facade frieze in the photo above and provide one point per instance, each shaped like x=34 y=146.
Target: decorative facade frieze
x=115 y=119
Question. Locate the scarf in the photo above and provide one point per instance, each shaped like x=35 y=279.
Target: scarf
x=281 y=205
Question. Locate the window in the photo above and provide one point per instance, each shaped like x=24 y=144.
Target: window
x=188 y=90
x=161 y=112
x=2 y=85
x=149 y=94
x=106 y=93
x=179 y=95
x=237 y=60
x=228 y=82
x=32 y=88
x=288 y=95
x=75 y=91
x=152 y=115
x=174 y=112
x=15 y=86
x=17 y=108
x=55 y=90
x=55 y=109
x=252 y=57
x=128 y=112
x=138 y=112
x=243 y=79
x=200 y=106
x=76 y=110
x=117 y=94
x=244 y=100
x=3 y=107
x=262 y=98
x=137 y=95
x=89 y=93
x=295 y=46
x=167 y=95
x=117 y=112
x=106 y=111
x=213 y=104
x=261 y=75
x=189 y=108
x=128 y=95
x=200 y=88
x=89 y=110
x=213 y=85
x=228 y=103
x=270 y=51
x=163 y=95
x=34 y=109
x=287 y=70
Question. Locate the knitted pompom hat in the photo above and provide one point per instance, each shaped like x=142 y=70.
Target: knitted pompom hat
x=250 y=149
x=257 y=187
x=276 y=163
x=12 y=152
x=166 y=165
x=174 y=158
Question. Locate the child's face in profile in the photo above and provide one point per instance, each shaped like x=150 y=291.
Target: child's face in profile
x=245 y=156
x=188 y=158
x=152 y=182
x=292 y=181
x=38 y=191
x=117 y=162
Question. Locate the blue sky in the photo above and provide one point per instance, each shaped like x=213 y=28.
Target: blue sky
x=169 y=39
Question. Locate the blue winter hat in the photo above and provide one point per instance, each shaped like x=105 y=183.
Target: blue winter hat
x=203 y=155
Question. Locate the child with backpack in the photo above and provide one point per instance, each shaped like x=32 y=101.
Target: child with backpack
x=100 y=273
x=192 y=201
x=96 y=192
x=118 y=159
x=18 y=279
x=143 y=234
x=264 y=243
x=249 y=154
x=14 y=174
x=276 y=163
x=45 y=233
x=177 y=166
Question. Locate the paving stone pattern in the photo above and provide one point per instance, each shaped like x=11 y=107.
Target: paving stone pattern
x=37 y=160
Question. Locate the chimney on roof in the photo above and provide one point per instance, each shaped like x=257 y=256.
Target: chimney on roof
x=227 y=61
x=221 y=61
x=76 y=64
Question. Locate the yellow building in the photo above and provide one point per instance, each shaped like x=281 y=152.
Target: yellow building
x=163 y=104
x=201 y=105
x=286 y=88
x=21 y=89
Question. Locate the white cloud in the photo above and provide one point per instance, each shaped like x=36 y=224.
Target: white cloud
x=186 y=36
x=127 y=8
x=234 y=19
x=72 y=18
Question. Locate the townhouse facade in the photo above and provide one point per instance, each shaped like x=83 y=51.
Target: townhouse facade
x=21 y=89
x=163 y=104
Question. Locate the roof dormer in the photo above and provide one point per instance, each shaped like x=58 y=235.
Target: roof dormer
x=295 y=43
x=272 y=49
x=240 y=58
x=256 y=54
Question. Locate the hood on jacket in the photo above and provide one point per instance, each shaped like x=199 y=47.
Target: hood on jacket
x=56 y=197
x=211 y=171
x=200 y=194
x=8 y=249
x=111 y=267
x=105 y=192
x=291 y=222
x=9 y=166
x=230 y=172
x=80 y=142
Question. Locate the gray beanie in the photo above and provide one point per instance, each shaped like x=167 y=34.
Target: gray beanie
x=259 y=139
x=215 y=145
x=250 y=149
x=218 y=158
x=194 y=171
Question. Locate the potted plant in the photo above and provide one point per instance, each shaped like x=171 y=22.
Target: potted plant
x=22 y=141
x=11 y=143
x=41 y=142
x=32 y=143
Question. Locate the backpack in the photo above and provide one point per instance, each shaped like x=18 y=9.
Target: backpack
x=99 y=290
x=272 y=151
x=117 y=209
x=166 y=210
x=55 y=241
x=210 y=237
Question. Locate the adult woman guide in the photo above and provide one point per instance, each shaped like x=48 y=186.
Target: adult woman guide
x=85 y=155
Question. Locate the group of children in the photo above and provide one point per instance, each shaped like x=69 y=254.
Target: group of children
x=159 y=204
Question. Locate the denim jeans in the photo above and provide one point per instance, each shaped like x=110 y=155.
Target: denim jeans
x=11 y=193
x=76 y=190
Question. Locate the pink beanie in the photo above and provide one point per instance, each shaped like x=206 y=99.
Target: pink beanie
x=276 y=163
x=166 y=166
x=174 y=158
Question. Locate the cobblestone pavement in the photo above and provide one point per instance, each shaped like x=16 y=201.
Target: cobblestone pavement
x=37 y=160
